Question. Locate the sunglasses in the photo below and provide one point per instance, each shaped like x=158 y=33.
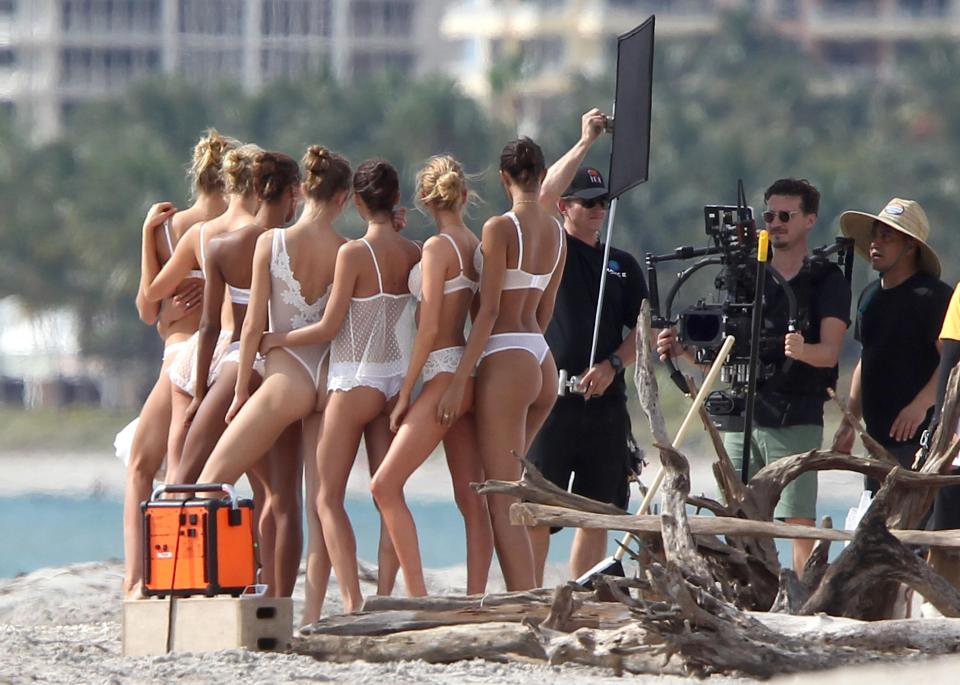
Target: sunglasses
x=783 y=215
x=590 y=204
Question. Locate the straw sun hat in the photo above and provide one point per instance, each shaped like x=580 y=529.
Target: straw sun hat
x=906 y=216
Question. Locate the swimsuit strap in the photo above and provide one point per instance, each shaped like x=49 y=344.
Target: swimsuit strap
x=455 y=249
x=166 y=232
x=516 y=222
x=203 y=255
x=376 y=264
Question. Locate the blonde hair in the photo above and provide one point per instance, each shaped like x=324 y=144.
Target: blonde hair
x=442 y=183
x=206 y=169
x=238 y=169
x=325 y=173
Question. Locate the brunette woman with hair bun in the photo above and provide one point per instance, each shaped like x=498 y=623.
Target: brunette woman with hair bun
x=369 y=321
x=444 y=283
x=176 y=317
x=293 y=270
x=520 y=261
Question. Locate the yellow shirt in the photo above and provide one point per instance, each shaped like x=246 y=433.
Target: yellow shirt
x=951 y=323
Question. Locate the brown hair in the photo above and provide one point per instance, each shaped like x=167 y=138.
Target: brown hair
x=238 y=169
x=206 y=169
x=377 y=184
x=442 y=183
x=274 y=173
x=523 y=161
x=325 y=173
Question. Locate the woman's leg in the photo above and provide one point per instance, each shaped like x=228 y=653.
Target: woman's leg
x=344 y=419
x=541 y=407
x=378 y=437
x=508 y=383
x=318 y=561
x=417 y=437
x=463 y=460
x=146 y=455
x=285 y=469
x=179 y=401
x=266 y=527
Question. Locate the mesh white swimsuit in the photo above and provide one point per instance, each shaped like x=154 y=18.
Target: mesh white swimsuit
x=372 y=348
x=289 y=310
x=518 y=279
x=446 y=359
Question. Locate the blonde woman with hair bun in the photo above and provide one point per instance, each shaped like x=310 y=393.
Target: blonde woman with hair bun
x=293 y=271
x=176 y=316
x=444 y=283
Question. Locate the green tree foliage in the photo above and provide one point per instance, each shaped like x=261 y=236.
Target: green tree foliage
x=740 y=104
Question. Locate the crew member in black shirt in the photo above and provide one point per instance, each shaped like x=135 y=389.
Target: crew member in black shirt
x=587 y=434
x=898 y=322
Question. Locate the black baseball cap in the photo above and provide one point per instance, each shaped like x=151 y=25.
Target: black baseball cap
x=587 y=184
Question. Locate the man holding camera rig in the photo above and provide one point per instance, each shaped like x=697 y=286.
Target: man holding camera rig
x=898 y=322
x=788 y=414
x=587 y=433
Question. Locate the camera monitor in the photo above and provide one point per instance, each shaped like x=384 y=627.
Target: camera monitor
x=630 y=154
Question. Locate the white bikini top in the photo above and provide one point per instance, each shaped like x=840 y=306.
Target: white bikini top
x=459 y=282
x=517 y=278
x=288 y=308
x=196 y=273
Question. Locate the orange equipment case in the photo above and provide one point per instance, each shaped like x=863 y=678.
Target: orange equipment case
x=198 y=546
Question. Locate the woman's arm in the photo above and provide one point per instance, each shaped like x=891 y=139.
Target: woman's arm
x=255 y=321
x=176 y=269
x=345 y=274
x=149 y=262
x=209 y=330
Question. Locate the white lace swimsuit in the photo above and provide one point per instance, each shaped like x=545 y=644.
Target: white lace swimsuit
x=445 y=359
x=289 y=310
x=372 y=348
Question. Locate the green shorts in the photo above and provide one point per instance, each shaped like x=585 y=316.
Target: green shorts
x=799 y=498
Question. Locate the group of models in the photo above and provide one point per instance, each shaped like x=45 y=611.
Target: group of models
x=308 y=341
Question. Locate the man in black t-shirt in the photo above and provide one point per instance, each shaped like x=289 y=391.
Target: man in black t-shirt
x=898 y=322
x=588 y=435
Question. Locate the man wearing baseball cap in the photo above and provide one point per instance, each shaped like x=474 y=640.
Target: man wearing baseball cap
x=898 y=321
x=587 y=434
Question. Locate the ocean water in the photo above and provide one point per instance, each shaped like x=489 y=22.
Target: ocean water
x=48 y=530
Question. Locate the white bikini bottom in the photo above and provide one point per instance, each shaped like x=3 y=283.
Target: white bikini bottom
x=232 y=355
x=173 y=348
x=345 y=376
x=444 y=360
x=183 y=369
x=534 y=343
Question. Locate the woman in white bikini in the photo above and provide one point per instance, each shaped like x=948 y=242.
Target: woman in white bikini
x=444 y=283
x=177 y=319
x=293 y=270
x=369 y=319
x=516 y=381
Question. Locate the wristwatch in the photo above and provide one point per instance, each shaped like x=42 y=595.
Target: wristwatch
x=615 y=362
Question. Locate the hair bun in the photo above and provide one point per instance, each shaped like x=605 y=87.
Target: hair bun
x=208 y=157
x=325 y=173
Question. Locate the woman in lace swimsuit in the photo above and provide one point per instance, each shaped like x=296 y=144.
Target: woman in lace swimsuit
x=369 y=319
x=516 y=381
x=292 y=273
x=444 y=283
x=176 y=318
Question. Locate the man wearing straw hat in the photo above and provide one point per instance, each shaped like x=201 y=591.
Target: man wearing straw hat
x=898 y=321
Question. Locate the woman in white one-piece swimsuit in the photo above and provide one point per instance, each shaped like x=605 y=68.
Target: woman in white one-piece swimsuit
x=516 y=381
x=293 y=273
x=145 y=442
x=369 y=321
x=444 y=283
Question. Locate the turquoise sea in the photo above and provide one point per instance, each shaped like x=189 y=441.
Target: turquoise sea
x=48 y=530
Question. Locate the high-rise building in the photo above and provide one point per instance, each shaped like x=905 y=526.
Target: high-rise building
x=56 y=53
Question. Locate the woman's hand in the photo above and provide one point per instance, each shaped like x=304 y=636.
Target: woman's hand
x=448 y=409
x=157 y=214
x=399 y=411
x=240 y=398
x=399 y=219
x=269 y=341
x=192 y=410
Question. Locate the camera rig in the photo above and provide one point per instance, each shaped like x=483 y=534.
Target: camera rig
x=740 y=253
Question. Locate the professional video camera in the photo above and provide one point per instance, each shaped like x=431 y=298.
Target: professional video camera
x=733 y=309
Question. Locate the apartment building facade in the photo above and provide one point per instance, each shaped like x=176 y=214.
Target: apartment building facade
x=56 y=53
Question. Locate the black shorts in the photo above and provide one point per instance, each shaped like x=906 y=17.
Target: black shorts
x=946 y=507
x=592 y=441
